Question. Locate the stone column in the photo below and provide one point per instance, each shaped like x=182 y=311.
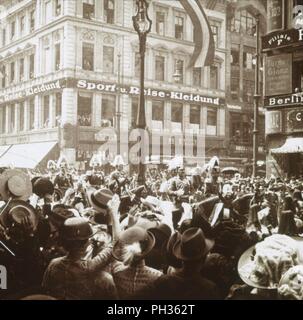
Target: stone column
x=26 y=115
x=37 y=117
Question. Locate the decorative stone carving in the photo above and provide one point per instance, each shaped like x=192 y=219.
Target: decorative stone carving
x=88 y=35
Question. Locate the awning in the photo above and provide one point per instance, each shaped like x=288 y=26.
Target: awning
x=26 y=155
x=3 y=149
x=291 y=145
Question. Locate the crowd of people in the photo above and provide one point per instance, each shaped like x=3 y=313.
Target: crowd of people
x=68 y=235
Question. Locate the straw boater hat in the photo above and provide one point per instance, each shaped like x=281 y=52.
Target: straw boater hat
x=16 y=184
x=15 y=211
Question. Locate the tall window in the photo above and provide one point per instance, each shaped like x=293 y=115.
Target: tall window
x=32 y=66
x=13 y=30
x=108 y=59
x=160 y=68
x=32 y=114
x=22 y=25
x=137 y=64
x=32 y=20
x=160 y=22
x=234 y=88
x=45 y=111
x=108 y=113
x=21 y=69
x=179 y=27
x=88 y=56
x=48 y=11
x=234 y=57
x=57 y=56
x=176 y=112
x=158 y=113
x=58 y=7
x=135 y=103
x=247 y=60
x=58 y=107
x=211 y=122
x=88 y=9
x=21 y=116
x=179 y=69
x=194 y=116
x=3 y=76
x=84 y=109
x=12 y=119
x=197 y=77
x=242 y=22
x=215 y=32
x=3 y=119
x=12 y=71
x=4 y=36
x=214 y=77
x=248 y=91
x=47 y=59
x=109 y=11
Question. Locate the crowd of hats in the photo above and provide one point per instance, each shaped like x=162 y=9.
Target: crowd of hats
x=186 y=237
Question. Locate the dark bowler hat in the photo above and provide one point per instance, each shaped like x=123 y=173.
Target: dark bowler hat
x=43 y=186
x=161 y=233
x=15 y=211
x=98 y=199
x=132 y=235
x=76 y=229
x=15 y=184
x=60 y=213
x=192 y=245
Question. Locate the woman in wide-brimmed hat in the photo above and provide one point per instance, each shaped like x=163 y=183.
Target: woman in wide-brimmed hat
x=132 y=275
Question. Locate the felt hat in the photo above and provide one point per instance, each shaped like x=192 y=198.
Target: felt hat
x=76 y=229
x=98 y=199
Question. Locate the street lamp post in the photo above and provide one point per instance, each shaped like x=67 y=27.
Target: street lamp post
x=119 y=114
x=142 y=25
x=256 y=97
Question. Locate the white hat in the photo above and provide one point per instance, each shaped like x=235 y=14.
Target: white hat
x=118 y=161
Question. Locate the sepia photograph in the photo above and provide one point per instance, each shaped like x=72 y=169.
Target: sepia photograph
x=151 y=150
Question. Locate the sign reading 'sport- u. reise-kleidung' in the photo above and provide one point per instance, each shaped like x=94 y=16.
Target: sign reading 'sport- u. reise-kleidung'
x=278 y=75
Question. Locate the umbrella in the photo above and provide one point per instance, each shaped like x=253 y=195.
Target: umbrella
x=230 y=170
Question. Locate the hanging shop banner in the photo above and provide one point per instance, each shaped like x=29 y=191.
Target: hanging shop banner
x=282 y=38
x=294 y=121
x=275 y=15
x=278 y=75
x=273 y=122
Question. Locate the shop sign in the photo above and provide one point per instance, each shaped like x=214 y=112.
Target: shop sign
x=283 y=101
x=295 y=120
x=275 y=15
x=148 y=92
x=278 y=75
x=281 y=39
x=11 y=95
x=273 y=122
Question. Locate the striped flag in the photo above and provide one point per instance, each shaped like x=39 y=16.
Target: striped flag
x=204 y=51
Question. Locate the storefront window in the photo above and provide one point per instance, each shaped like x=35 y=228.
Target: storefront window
x=84 y=109
x=108 y=113
x=211 y=128
x=21 y=116
x=160 y=68
x=109 y=11
x=88 y=56
x=45 y=111
x=108 y=59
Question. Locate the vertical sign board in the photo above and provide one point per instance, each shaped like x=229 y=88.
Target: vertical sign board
x=275 y=15
x=273 y=122
x=278 y=75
